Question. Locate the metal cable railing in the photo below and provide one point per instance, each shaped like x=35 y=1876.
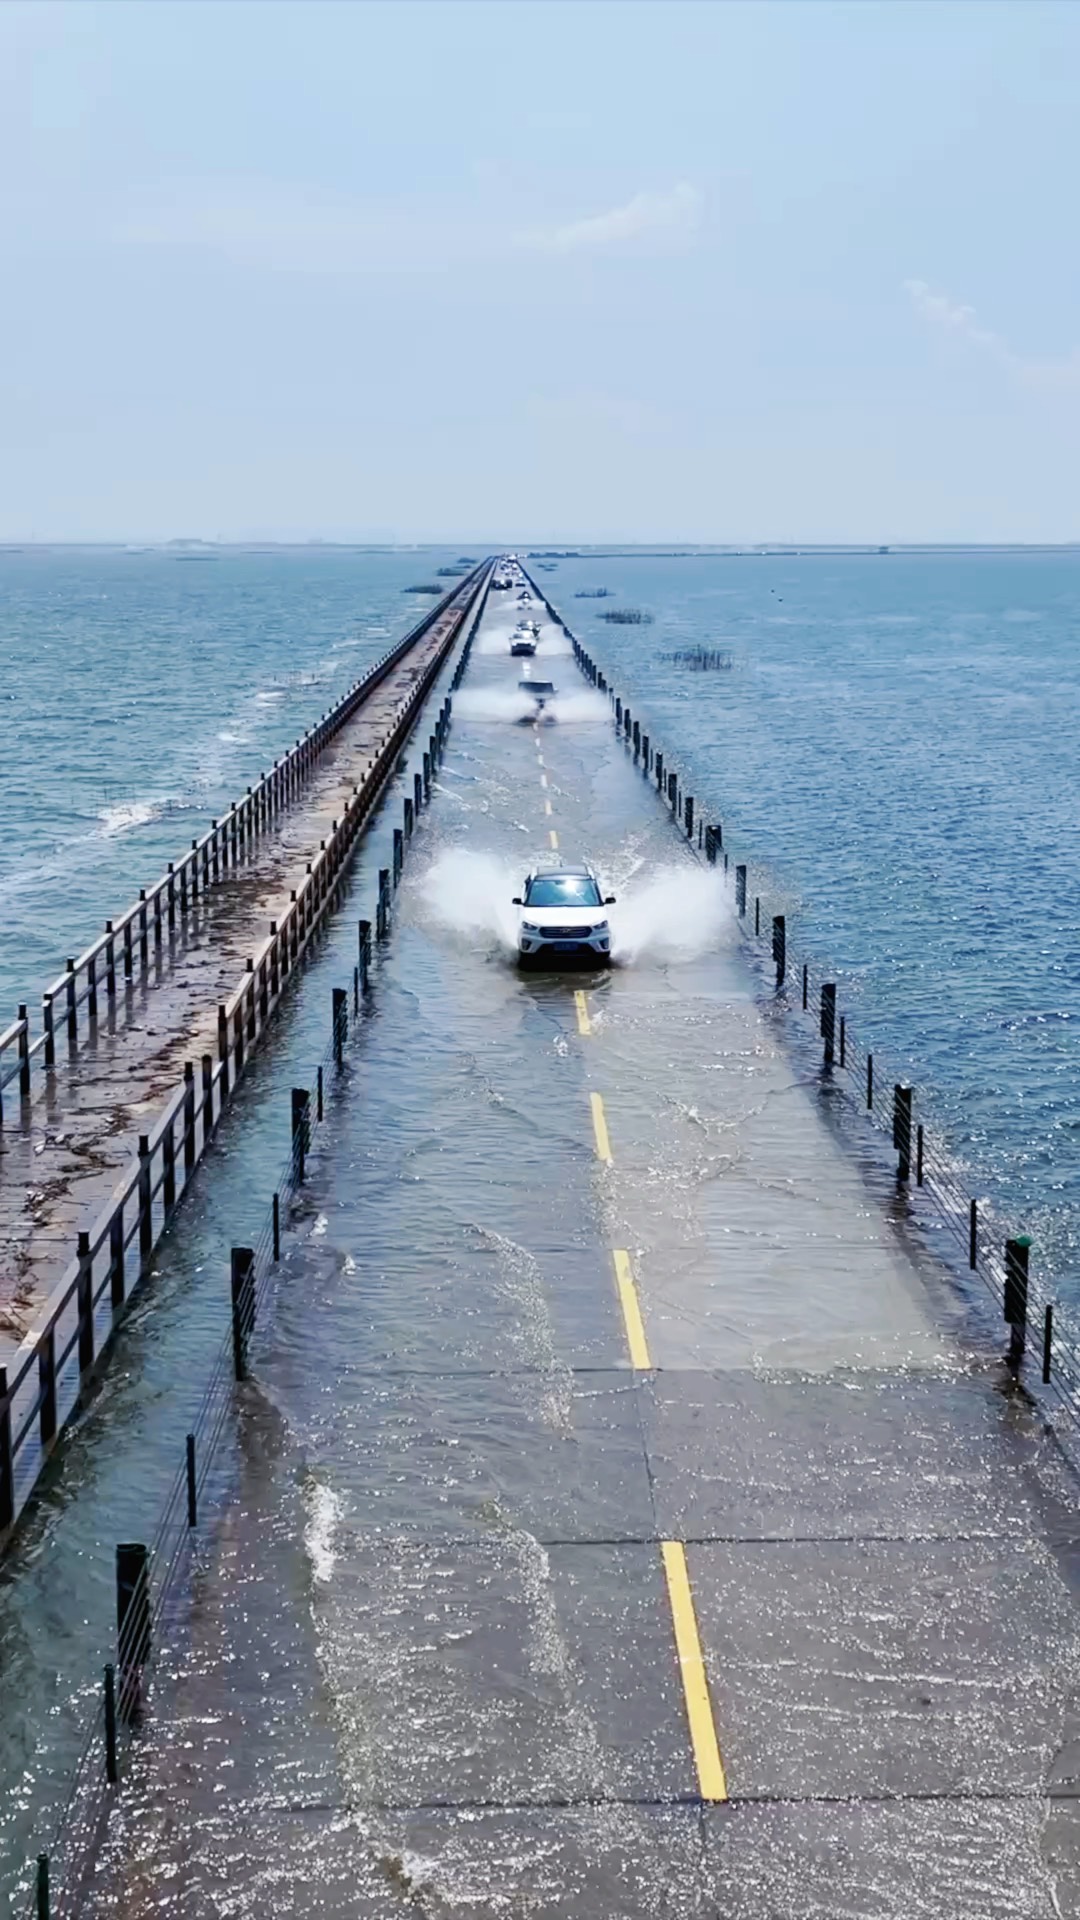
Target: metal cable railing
x=885 y=1095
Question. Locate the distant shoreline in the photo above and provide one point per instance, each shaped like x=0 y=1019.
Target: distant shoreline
x=194 y=550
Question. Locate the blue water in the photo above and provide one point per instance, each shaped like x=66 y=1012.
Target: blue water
x=898 y=742
x=140 y=694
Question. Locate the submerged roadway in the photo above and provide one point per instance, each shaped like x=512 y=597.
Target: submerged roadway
x=626 y=1520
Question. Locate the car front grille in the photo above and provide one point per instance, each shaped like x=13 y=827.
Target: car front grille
x=566 y=933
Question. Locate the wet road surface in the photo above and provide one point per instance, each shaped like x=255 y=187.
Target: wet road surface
x=625 y=1520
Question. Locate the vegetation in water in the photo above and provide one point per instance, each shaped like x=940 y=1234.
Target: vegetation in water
x=701 y=659
x=593 y=593
x=628 y=616
x=428 y=588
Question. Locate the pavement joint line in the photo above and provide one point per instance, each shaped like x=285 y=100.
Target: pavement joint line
x=600 y=1132
x=581 y=1008
x=712 y=1780
x=558 y=1804
x=631 y=1312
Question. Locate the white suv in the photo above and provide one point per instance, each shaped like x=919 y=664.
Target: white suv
x=562 y=917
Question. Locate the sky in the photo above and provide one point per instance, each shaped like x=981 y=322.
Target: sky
x=539 y=270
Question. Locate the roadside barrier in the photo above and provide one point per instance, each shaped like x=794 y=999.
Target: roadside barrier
x=978 y=1239
x=48 y=1378
x=149 y=1573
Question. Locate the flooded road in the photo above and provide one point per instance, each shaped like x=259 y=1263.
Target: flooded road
x=621 y=1521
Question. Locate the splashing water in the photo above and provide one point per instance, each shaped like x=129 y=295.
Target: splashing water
x=675 y=914
x=472 y=895
x=494 y=703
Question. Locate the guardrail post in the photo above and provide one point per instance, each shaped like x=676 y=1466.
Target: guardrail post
x=418 y=792
x=843 y=1041
x=146 y=1224
x=646 y=756
x=427 y=776
x=618 y=712
x=407 y=815
x=24 y=1055
x=973 y=1234
x=869 y=1083
x=157 y=919
x=637 y=739
x=901 y=1129
x=1048 y=1343
x=110 y=962
x=223 y=1050
x=381 y=914
x=207 y=1066
x=132 y=1622
x=171 y=887
x=112 y=1771
x=116 y=1258
x=249 y=989
x=1017 y=1254
x=7 y=1462
x=129 y=952
x=72 y=1009
x=399 y=854
x=341 y=1025
x=919 y=1155
x=238 y=1036
x=319 y=1096
x=740 y=891
x=168 y=1166
x=805 y=986
x=688 y=815
x=242 y=1288
x=42 y=1906
x=275 y=1212
x=673 y=790
x=828 y=1020
x=85 y=1298
x=757 y=913
x=144 y=944
x=364 y=941
x=779 y=948
x=301 y=1131
x=659 y=773
x=183 y=888
x=192 y=1482
x=91 y=987
x=46 y=1354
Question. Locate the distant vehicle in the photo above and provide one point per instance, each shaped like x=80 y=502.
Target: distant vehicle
x=540 y=691
x=562 y=917
x=522 y=646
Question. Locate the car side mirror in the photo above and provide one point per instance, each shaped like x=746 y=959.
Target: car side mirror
x=516 y=901
x=609 y=899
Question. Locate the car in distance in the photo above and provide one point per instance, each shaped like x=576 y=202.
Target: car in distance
x=561 y=917
x=539 y=692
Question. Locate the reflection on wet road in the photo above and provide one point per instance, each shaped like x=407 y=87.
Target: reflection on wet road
x=622 y=1525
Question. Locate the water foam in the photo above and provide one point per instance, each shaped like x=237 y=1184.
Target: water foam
x=675 y=914
x=471 y=894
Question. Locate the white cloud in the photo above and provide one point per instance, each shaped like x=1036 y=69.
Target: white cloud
x=672 y=215
x=941 y=310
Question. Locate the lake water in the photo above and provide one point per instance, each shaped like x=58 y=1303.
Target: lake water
x=896 y=739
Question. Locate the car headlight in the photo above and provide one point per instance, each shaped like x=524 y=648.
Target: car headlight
x=527 y=926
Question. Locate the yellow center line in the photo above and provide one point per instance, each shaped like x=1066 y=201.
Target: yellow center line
x=631 y=1311
x=710 y=1768
x=603 y=1144
x=581 y=1008
x=554 y=838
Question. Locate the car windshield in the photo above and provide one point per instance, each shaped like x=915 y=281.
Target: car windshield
x=563 y=890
